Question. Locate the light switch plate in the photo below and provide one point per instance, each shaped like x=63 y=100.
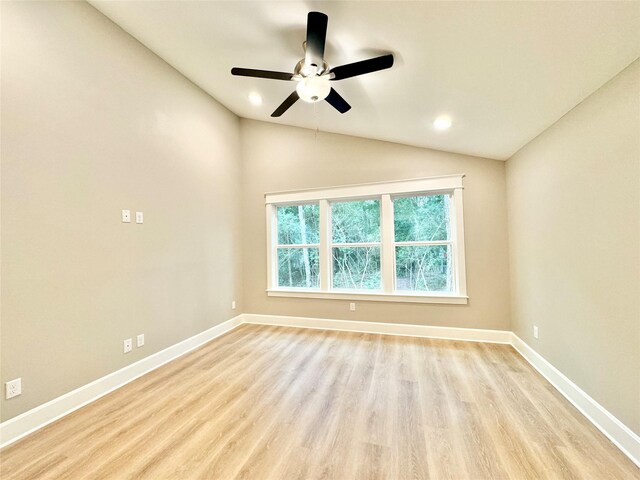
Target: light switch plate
x=126 y=216
x=127 y=345
x=140 y=340
x=139 y=217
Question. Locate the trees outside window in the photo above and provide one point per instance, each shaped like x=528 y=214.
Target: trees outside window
x=423 y=243
x=401 y=240
x=356 y=244
x=297 y=250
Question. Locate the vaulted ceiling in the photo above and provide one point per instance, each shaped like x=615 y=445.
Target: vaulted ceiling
x=502 y=71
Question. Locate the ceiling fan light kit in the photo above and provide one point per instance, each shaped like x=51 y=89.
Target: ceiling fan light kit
x=313 y=88
x=312 y=72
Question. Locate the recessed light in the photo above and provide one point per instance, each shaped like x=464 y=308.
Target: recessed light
x=255 y=98
x=442 y=123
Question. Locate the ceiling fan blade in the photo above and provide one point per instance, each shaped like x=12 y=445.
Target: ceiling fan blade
x=337 y=101
x=360 y=68
x=250 y=72
x=284 y=106
x=316 y=37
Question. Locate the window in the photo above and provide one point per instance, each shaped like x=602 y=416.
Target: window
x=355 y=245
x=394 y=241
x=423 y=243
x=297 y=248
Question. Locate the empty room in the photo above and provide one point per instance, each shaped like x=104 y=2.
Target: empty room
x=274 y=240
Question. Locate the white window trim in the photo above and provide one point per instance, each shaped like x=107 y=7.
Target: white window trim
x=386 y=191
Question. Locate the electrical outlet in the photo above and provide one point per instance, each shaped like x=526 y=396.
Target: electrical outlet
x=126 y=216
x=128 y=345
x=233 y=305
x=352 y=307
x=139 y=217
x=13 y=388
x=140 y=340
x=535 y=331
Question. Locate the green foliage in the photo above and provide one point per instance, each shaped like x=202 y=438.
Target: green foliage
x=299 y=224
x=356 y=222
x=424 y=218
x=423 y=268
x=356 y=268
x=299 y=267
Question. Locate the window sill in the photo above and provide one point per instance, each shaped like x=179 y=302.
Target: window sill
x=371 y=297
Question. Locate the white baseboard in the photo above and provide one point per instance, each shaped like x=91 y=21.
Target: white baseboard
x=626 y=440
x=621 y=436
x=403 y=329
x=36 y=418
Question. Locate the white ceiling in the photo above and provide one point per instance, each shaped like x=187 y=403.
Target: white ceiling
x=503 y=71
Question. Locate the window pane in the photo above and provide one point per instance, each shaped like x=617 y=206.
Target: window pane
x=423 y=218
x=356 y=222
x=299 y=224
x=356 y=268
x=298 y=267
x=424 y=268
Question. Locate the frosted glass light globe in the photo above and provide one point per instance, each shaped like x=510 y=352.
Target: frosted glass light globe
x=313 y=88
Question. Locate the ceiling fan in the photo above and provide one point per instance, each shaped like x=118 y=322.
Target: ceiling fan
x=312 y=72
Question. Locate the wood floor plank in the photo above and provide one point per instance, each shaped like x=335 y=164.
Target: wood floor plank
x=117 y=446
x=271 y=403
x=110 y=411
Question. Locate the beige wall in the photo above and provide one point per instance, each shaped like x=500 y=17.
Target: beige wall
x=279 y=158
x=574 y=231
x=92 y=123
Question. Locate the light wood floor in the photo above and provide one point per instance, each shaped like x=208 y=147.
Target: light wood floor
x=281 y=403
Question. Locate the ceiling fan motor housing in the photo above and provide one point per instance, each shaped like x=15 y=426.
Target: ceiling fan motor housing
x=305 y=70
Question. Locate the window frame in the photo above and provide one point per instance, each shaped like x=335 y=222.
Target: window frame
x=279 y=245
x=332 y=245
x=427 y=243
x=386 y=192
